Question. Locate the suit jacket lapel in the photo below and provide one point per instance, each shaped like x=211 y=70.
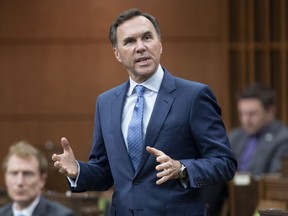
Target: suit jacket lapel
x=117 y=104
x=40 y=209
x=8 y=210
x=116 y=108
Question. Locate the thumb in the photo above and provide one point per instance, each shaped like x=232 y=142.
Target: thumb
x=65 y=144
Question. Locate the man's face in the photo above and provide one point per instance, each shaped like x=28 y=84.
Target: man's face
x=138 y=48
x=253 y=116
x=23 y=180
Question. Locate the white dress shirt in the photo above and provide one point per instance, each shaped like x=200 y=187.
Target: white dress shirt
x=152 y=86
x=27 y=211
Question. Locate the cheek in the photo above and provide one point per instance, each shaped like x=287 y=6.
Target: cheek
x=9 y=182
x=36 y=184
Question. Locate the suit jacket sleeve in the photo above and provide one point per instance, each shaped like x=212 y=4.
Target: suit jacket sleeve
x=214 y=162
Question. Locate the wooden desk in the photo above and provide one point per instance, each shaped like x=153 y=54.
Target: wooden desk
x=274 y=188
x=243 y=195
x=273 y=213
x=285 y=167
x=246 y=196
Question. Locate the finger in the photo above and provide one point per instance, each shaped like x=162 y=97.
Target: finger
x=162 y=159
x=63 y=171
x=154 y=151
x=162 y=166
x=68 y=173
x=55 y=157
x=57 y=165
x=164 y=173
x=162 y=180
x=65 y=144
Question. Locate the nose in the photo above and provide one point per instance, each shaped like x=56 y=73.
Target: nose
x=140 y=47
x=19 y=179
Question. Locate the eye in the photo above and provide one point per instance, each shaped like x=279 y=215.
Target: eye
x=128 y=41
x=147 y=36
x=12 y=173
x=28 y=174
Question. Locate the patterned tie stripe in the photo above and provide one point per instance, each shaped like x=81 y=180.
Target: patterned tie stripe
x=135 y=128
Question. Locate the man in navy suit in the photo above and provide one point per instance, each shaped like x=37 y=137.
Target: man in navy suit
x=185 y=147
x=25 y=170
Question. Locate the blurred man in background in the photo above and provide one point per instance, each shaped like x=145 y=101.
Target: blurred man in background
x=261 y=141
x=25 y=171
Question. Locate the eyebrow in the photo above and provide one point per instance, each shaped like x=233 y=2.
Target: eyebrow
x=128 y=39
x=143 y=34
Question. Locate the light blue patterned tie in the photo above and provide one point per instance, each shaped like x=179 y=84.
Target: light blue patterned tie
x=135 y=131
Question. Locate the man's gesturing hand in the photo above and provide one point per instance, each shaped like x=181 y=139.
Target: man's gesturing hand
x=66 y=162
x=168 y=168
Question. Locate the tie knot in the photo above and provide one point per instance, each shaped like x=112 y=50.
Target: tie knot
x=139 y=90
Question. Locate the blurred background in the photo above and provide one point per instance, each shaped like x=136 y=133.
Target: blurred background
x=55 y=59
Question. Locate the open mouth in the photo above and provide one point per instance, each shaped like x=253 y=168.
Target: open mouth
x=144 y=59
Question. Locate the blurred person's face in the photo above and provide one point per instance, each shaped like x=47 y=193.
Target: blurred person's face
x=23 y=180
x=253 y=116
x=138 y=48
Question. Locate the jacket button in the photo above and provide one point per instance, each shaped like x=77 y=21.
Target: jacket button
x=136 y=182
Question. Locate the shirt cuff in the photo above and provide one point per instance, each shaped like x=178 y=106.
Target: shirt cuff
x=73 y=182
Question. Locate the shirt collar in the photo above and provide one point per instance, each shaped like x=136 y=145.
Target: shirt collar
x=153 y=83
x=27 y=211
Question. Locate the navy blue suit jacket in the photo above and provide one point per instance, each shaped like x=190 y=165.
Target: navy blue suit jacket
x=186 y=125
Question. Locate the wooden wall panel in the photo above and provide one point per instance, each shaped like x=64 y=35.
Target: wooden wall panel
x=37 y=78
x=192 y=66
x=258 y=49
x=90 y=18
x=55 y=59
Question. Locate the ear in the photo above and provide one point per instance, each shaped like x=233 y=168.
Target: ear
x=161 y=48
x=116 y=53
x=272 y=110
x=43 y=179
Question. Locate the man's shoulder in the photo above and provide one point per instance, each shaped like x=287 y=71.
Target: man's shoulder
x=279 y=132
x=53 y=208
x=115 y=90
x=278 y=126
x=6 y=209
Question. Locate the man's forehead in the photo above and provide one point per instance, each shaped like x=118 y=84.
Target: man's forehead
x=135 y=24
x=250 y=105
x=250 y=101
x=22 y=160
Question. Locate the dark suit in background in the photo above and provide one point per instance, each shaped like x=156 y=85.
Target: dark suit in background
x=45 y=207
x=272 y=146
x=260 y=142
